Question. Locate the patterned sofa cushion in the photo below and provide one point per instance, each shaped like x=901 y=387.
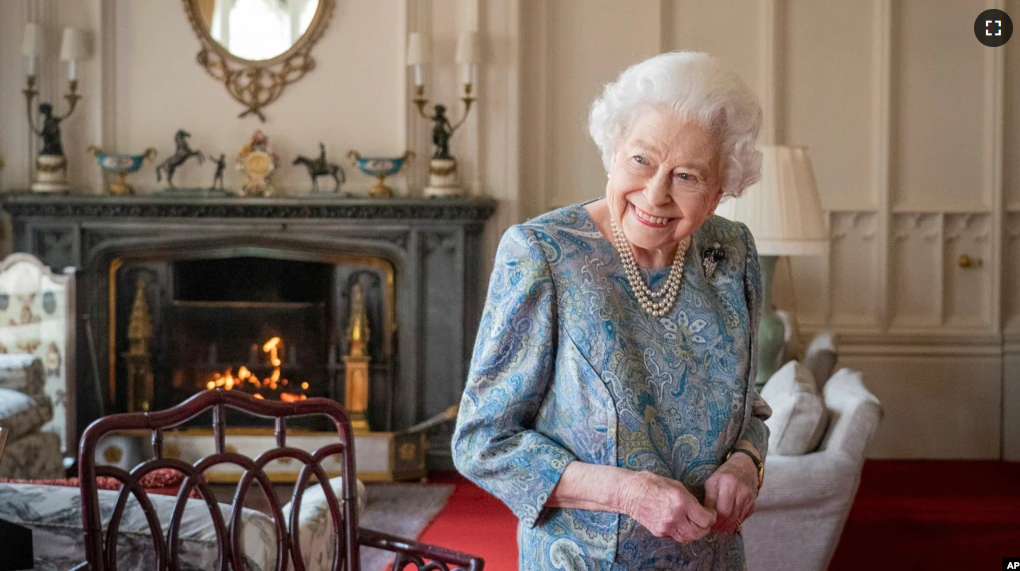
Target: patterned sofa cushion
x=799 y=417
x=314 y=524
x=22 y=414
x=22 y=372
x=36 y=455
x=54 y=515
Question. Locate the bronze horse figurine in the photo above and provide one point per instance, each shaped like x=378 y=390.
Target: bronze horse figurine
x=320 y=167
x=182 y=154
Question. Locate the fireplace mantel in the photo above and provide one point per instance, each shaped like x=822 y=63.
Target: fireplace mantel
x=464 y=210
x=434 y=246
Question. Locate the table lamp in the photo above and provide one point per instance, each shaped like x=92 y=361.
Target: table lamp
x=785 y=217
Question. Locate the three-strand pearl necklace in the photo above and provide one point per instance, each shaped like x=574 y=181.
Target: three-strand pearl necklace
x=656 y=303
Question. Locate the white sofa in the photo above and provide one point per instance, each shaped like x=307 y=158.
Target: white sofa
x=805 y=500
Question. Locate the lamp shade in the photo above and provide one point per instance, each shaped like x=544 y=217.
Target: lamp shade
x=73 y=47
x=782 y=210
x=417 y=50
x=467 y=47
x=32 y=43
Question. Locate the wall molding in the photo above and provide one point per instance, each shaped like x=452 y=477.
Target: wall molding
x=881 y=103
x=417 y=18
x=915 y=343
x=770 y=65
x=995 y=148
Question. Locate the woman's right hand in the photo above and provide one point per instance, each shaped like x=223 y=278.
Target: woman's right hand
x=666 y=508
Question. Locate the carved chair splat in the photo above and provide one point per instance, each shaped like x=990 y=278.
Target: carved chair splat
x=101 y=549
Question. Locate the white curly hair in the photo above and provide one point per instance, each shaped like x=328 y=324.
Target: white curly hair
x=699 y=90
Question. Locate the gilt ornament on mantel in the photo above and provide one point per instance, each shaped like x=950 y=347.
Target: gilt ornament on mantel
x=257 y=161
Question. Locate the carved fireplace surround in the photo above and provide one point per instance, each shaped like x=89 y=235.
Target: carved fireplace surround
x=433 y=248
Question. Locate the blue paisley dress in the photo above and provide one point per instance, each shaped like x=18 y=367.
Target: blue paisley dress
x=568 y=366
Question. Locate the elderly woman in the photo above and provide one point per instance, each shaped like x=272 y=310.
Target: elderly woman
x=611 y=402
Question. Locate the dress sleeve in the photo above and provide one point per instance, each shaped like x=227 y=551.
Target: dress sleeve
x=495 y=444
x=755 y=432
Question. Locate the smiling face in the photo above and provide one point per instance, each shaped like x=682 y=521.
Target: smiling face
x=664 y=182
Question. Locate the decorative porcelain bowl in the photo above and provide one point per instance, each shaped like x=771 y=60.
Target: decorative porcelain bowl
x=380 y=168
x=120 y=166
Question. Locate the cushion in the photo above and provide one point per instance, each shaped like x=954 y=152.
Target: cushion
x=35 y=455
x=799 y=416
x=22 y=372
x=820 y=357
x=166 y=481
x=54 y=515
x=315 y=525
x=22 y=414
x=792 y=348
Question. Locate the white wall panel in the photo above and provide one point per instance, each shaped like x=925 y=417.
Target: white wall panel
x=854 y=270
x=728 y=29
x=828 y=96
x=935 y=407
x=14 y=135
x=968 y=291
x=1011 y=398
x=806 y=292
x=1011 y=274
x=1011 y=131
x=916 y=270
x=938 y=118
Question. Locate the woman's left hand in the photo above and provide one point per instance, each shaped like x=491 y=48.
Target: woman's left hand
x=732 y=491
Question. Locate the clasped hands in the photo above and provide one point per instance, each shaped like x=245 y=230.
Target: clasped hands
x=667 y=509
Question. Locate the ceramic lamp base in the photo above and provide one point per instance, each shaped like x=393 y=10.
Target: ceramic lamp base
x=771 y=330
x=50 y=174
x=443 y=180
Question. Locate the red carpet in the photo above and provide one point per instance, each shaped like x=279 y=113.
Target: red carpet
x=477 y=523
x=907 y=515
x=932 y=515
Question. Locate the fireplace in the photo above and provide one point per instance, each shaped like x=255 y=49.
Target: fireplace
x=254 y=292
x=269 y=325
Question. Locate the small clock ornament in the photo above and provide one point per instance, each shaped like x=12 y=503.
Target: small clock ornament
x=257 y=161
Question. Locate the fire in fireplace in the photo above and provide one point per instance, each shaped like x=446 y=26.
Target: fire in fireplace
x=274 y=385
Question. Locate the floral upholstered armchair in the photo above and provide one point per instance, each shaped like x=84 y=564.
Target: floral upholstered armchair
x=30 y=452
x=37 y=319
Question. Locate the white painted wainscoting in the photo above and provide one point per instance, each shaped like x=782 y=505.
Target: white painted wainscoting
x=911 y=125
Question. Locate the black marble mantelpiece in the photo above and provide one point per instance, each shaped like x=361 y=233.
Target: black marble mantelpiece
x=465 y=210
x=434 y=246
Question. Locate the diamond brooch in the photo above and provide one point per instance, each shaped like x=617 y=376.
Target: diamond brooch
x=710 y=259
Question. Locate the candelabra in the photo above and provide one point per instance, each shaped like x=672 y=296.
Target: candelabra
x=443 y=177
x=51 y=164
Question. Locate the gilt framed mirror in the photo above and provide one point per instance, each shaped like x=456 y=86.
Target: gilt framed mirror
x=257 y=47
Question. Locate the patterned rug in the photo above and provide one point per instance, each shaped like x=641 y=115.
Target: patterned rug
x=400 y=509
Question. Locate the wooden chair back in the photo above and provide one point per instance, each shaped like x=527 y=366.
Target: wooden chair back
x=101 y=549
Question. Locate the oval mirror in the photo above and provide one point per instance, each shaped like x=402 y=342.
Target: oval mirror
x=245 y=41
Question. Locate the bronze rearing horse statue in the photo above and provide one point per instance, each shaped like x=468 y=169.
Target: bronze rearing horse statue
x=182 y=154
